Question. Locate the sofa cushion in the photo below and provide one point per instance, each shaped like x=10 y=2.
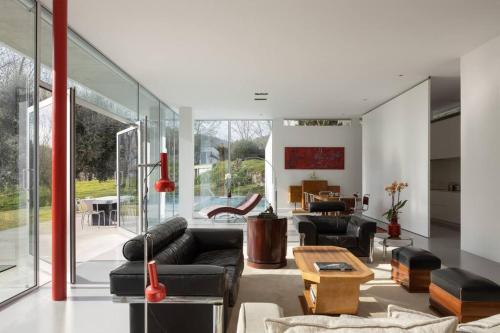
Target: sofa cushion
x=251 y=316
x=160 y=236
x=338 y=240
x=230 y=257
x=490 y=324
x=336 y=225
x=351 y=324
x=466 y=286
x=397 y=312
x=416 y=258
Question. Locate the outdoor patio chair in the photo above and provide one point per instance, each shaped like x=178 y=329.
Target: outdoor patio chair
x=88 y=211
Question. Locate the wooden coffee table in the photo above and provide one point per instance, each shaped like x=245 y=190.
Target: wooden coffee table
x=336 y=292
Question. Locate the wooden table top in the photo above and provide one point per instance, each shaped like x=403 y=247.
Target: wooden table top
x=306 y=256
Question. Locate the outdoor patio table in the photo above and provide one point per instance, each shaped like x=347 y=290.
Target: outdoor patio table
x=105 y=204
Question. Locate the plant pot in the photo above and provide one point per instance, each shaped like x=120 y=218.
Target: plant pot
x=394 y=228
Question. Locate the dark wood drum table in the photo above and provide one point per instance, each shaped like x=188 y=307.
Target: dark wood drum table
x=267 y=242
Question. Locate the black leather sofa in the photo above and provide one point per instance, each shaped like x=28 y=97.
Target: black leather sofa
x=353 y=232
x=191 y=262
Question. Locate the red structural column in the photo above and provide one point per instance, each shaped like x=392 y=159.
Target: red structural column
x=59 y=155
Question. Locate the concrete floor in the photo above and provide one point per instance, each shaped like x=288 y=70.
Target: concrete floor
x=92 y=244
x=89 y=307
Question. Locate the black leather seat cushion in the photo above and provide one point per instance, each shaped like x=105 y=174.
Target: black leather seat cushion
x=416 y=258
x=338 y=240
x=181 y=280
x=465 y=285
x=330 y=224
x=161 y=235
x=230 y=257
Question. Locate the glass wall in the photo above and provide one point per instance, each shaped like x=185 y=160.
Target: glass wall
x=229 y=161
x=18 y=227
x=113 y=93
x=108 y=102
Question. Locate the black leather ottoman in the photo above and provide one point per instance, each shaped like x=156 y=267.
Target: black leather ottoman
x=454 y=291
x=412 y=266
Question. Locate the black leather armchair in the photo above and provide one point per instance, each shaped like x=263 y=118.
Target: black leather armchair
x=191 y=262
x=353 y=232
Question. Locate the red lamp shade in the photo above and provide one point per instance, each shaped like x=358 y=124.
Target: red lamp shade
x=164 y=184
x=156 y=291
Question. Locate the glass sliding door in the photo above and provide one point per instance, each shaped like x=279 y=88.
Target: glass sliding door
x=45 y=183
x=127 y=155
x=18 y=229
x=149 y=107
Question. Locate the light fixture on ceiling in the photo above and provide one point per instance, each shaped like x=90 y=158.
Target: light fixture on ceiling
x=260 y=96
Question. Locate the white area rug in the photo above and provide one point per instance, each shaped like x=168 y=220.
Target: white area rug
x=283 y=286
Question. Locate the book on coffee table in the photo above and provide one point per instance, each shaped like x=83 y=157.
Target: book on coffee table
x=332 y=266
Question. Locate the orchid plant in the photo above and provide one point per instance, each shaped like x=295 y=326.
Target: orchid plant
x=394 y=191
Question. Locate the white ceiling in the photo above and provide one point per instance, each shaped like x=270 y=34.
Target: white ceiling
x=321 y=58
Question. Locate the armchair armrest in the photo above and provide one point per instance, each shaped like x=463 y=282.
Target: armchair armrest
x=362 y=228
x=305 y=226
x=180 y=280
x=218 y=239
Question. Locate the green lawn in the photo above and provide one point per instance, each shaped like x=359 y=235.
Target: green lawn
x=11 y=218
x=95 y=188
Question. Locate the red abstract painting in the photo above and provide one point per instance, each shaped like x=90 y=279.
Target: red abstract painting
x=314 y=158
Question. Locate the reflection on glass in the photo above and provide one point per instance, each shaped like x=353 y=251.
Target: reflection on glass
x=168 y=142
x=17 y=149
x=149 y=107
x=96 y=79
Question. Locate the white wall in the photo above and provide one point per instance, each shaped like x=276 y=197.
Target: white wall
x=186 y=162
x=396 y=147
x=480 y=85
x=349 y=179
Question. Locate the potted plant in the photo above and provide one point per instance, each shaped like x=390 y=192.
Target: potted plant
x=394 y=191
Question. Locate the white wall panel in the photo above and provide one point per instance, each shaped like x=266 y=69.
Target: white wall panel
x=396 y=147
x=480 y=150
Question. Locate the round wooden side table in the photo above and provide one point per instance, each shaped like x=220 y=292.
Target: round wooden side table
x=266 y=242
